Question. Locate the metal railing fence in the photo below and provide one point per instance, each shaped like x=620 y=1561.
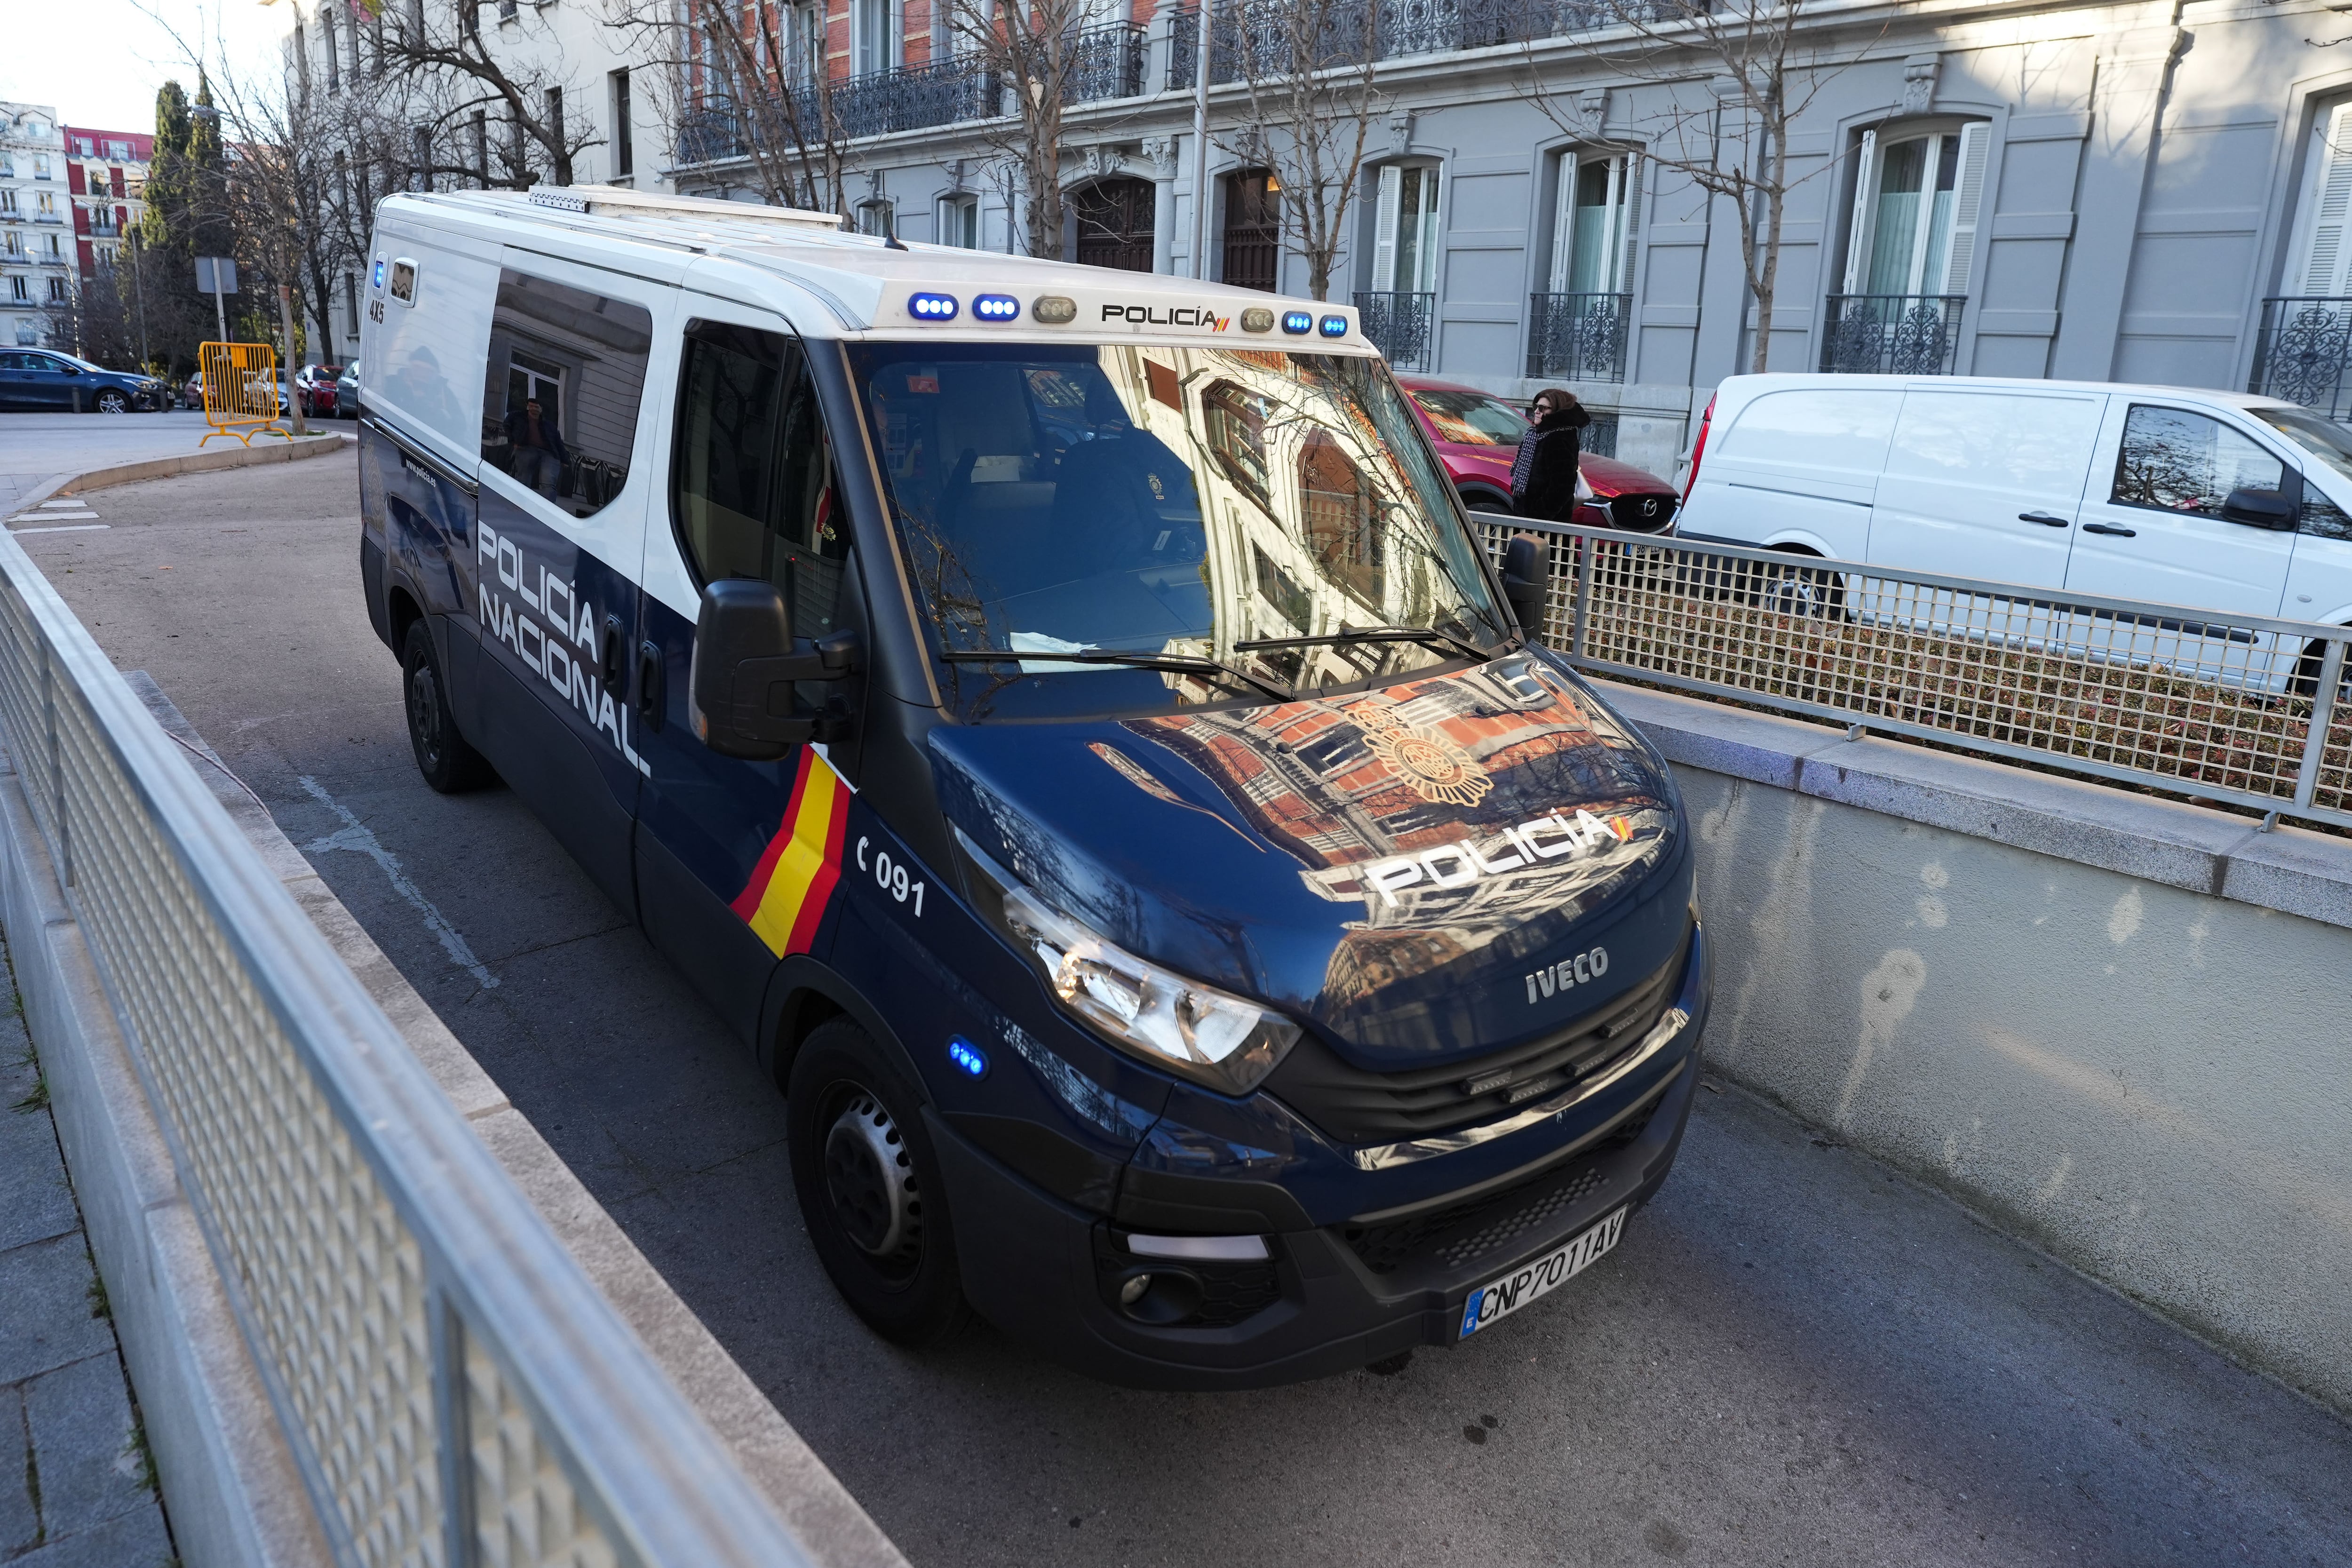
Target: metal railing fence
x=1256 y=37
x=1579 y=337
x=1400 y=325
x=452 y=1385
x=2246 y=710
x=2304 y=354
x=1892 y=334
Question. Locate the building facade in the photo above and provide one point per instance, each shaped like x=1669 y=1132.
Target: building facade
x=37 y=228
x=106 y=176
x=2146 y=192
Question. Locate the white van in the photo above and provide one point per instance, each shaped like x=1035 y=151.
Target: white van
x=2214 y=499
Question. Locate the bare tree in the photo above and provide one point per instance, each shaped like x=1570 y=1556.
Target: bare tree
x=1310 y=68
x=1031 y=51
x=745 y=80
x=1756 y=77
x=450 y=70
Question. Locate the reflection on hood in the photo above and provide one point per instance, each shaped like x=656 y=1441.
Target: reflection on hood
x=1349 y=858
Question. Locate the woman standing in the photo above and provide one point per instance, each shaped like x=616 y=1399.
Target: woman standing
x=1544 y=482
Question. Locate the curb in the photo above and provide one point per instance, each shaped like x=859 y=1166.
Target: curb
x=317 y=445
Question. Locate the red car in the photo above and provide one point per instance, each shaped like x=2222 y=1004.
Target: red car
x=1477 y=435
x=314 y=388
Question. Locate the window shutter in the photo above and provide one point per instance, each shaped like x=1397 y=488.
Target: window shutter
x=1857 y=245
x=2331 y=203
x=1632 y=231
x=1967 y=200
x=1424 y=235
x=1384 y=230
x=1563 y=225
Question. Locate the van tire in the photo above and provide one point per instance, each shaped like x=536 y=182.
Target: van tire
x=870 y=1188
x=2306 y=681
x=448 y=764
x=1802 y=590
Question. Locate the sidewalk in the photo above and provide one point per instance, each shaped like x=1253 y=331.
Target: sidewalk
x=75 y=1485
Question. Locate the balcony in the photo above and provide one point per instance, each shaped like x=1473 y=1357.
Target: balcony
x=1579 y=337
x=1892 y=334
x=1400 y=326
x=2302 y=352
x=912 y=97
x=1253 y=38
x=1105 y=62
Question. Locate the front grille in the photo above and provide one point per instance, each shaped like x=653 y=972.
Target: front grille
x=1463 y=1233
x=1357 y=1106
x=1641 y=512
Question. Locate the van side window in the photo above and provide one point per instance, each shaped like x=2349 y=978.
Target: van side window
x=751 y=482
x=2174 y=460
x=566 y=378
x=2321 y=517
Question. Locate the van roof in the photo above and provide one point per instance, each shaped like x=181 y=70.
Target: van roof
x=1775 y=381
x=872 y=287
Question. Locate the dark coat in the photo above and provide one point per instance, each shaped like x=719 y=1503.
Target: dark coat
x=520 y=421
x=1543 y=475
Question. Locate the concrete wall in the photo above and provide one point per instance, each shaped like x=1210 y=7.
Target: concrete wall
x=2118 y=1026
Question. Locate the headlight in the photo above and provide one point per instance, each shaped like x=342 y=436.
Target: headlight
x=1212 y=1037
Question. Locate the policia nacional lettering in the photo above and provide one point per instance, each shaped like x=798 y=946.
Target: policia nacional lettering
x=563 y=651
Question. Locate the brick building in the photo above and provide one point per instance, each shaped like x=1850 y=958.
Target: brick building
x=106 y=175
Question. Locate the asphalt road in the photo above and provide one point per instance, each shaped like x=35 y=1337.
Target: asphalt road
x=1792 y=1357
x=38 y=447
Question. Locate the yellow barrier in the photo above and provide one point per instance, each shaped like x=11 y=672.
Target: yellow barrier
x=241 y=391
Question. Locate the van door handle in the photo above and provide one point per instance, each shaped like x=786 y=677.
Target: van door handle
x=651 y=699
x=2111 y=528
x=608 y=657
x=2044 y=517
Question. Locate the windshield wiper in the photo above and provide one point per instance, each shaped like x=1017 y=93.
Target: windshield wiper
x=1428 y=636
x=1182 y=664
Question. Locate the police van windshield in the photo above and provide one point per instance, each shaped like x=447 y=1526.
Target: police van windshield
x=1098 y=529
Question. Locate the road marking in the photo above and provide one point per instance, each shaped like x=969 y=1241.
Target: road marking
x=356 y=837
x=65 y=505
x=69 y=527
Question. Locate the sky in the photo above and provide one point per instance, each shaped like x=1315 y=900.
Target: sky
x=99 y=62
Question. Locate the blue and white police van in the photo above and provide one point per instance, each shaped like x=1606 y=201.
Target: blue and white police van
x=1062 y=720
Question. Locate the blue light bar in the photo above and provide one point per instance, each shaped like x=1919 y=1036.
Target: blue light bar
x=1335 y=326
x=1297 y=324
x=996 y=307
x=966 y=1057
x=930 y=307
x=379 y=271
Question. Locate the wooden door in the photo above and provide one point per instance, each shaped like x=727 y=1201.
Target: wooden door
x=1114 y=221
x=1253 y=230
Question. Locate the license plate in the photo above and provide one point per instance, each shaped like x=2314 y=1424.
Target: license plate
x=1545 y=1275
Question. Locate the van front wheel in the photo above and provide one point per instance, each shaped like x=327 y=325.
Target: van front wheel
x=870 y=1188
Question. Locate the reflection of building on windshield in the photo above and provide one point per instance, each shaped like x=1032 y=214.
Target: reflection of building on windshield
x=1167 y=500
x=1307 y=780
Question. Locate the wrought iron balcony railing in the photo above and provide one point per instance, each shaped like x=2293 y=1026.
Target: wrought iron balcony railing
x=2304 y=351
x=1892 y=334
x=1105 y=62
x=911 y=98
x=1401 y=326
x=1256 y=37
x=1579 y=337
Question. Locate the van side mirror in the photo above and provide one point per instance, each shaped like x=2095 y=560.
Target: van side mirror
x=1526 y=583
x=2260 y=509
x=745 y=664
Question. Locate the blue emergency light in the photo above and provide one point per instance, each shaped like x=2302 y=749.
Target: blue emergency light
x=966 y=1057
x=1335 y=326
x=996 y=307
x=931 y=307
x=1297 y=324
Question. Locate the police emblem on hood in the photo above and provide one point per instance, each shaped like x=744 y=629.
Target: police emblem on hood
x=1430 y=762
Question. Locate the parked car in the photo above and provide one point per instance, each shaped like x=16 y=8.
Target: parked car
x=1203 y=1021
x=46 y=379
x=347 y=391
x=314 y=389
x=191 y=391
x=1477 y=435
x=2216 y=500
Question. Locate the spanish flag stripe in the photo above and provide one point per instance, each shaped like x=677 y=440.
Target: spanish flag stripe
x=747 y=902
x=820 y=885
x=812 y=849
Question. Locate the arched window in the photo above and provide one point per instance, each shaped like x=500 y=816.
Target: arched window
x=2320 y=262
x=1338 y=514
x=1595 y=225
x=1915 y=211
